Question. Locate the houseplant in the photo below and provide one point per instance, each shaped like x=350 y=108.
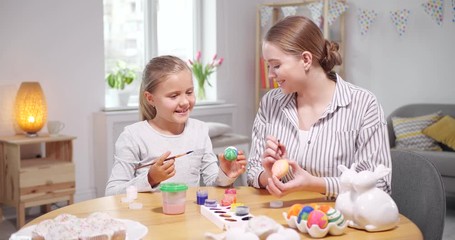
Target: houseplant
x=202 y=72
x=120 y=76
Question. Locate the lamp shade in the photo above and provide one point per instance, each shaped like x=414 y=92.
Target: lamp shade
x=30 y=108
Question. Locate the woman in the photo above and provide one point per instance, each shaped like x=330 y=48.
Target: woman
x=315 y=119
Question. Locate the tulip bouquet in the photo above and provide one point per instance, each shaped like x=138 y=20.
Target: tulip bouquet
x=202 y=72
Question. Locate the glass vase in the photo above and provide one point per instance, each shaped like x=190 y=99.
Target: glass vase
x=201 y=89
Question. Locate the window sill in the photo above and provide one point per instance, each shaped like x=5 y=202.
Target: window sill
x=129 y=108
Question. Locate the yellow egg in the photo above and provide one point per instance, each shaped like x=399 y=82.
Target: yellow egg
x=280 y=168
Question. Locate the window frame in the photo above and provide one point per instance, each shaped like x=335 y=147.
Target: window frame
x=150 y=38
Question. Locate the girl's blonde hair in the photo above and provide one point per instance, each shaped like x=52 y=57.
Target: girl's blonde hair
x=157 y=70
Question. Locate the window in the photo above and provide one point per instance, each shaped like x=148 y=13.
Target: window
x=138 y=30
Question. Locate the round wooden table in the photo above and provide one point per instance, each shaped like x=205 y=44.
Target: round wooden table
x=193 y=225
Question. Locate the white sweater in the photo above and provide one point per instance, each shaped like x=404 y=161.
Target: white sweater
x=140 y=143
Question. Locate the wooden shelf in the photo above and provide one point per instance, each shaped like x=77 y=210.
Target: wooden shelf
x=334 y=32
x=42 y=163
x=27 y=182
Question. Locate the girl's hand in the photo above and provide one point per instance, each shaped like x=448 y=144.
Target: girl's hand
x=161 y=170
x=233 y=169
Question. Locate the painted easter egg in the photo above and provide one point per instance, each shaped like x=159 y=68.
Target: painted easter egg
x=303 y=214
x=325 y=208
x=280 y=168
x=231 y=153
x=294 y=210
x=317 y=217
x=335 y=216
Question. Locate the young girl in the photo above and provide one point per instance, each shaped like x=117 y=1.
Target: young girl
x=166 y=100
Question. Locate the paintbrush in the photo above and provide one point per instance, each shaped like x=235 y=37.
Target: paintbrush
x=278 y=148
x=169 y=158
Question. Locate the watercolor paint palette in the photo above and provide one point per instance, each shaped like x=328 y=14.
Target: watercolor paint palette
x=224 y=218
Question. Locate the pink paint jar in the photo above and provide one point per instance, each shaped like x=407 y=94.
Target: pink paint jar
x=174 y=197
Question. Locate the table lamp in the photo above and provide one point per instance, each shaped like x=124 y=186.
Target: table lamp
x=30 y=108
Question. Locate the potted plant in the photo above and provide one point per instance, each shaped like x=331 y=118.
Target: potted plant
x=120 y=76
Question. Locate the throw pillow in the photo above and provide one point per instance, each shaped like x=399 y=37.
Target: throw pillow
x=443 y=131
x=217 y=129
x=408 y=132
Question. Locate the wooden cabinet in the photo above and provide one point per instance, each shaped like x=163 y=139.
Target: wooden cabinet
x=322 y=12
x=27 y=182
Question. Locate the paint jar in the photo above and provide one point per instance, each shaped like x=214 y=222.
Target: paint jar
x=201 y=196
x=174 y=197
x=230 y=196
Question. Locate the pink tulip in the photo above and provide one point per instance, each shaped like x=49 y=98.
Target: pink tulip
x=214 y=56
x=218 y=62
x=198 y=56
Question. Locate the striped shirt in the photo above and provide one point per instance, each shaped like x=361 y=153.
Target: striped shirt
x=351 y=130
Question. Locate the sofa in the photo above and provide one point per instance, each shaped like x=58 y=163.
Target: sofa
x=443 y=160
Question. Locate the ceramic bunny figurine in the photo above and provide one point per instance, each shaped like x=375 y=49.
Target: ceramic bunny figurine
x=375 y=210
x=347 y=195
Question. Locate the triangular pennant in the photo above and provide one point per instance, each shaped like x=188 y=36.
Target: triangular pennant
x=336 y=8
x=289 y=11
x=316 y=12
x=365 y=19
x=453 y=10
x=434 y=8
x=400 y=20
x=266 y=16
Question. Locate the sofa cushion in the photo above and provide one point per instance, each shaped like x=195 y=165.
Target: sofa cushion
x=442 y=131
x=217 y=129
x=443 y=161
x=408 y=132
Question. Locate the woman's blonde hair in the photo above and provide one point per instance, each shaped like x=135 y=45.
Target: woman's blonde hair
x=157 y=70
x=296 y=34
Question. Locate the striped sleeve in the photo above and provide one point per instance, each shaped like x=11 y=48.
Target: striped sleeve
x=254 y=168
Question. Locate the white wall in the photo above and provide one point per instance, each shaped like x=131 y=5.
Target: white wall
x=416 y=67
x=60 y=44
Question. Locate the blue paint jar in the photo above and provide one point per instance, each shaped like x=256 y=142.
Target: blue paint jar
x=201 y=196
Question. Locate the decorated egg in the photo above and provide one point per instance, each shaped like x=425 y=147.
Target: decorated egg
x=315 y=206
x=294 y=210
x=303 y=214
x=325 y=208
x=231 y=153
x=335 y=216
x=317 y=217
x=280 y=168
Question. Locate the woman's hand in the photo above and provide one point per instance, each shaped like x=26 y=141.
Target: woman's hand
x=303 y=181
x=274 y=151
x=161 y=170
x=233 y=169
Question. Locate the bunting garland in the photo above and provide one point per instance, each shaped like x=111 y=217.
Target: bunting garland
x=289 y=11
x=453 y=10
x=434 y=8
x=316 y=12
x=336 y=8
x=266 y=16
x=400 y=20
x=365 y=19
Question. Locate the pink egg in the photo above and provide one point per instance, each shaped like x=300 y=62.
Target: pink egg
x=280 y=168
x=317 y=217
